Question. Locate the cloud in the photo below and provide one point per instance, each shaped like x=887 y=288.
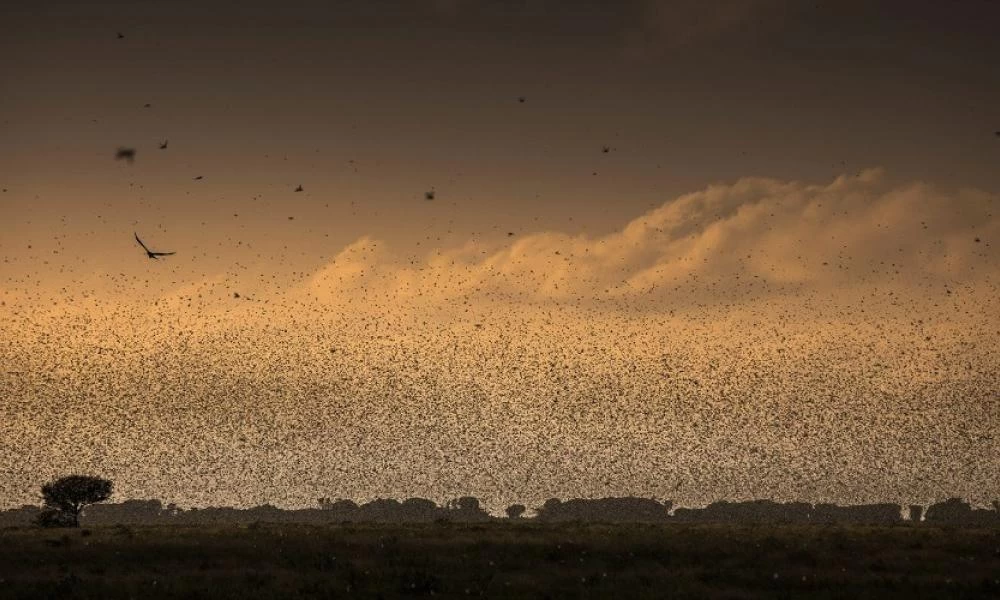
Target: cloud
x=756 y=244
x=752 y=240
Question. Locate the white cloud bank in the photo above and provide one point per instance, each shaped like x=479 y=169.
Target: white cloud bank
x=751 y=241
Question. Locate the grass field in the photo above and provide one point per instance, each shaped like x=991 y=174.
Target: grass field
x=500 y=560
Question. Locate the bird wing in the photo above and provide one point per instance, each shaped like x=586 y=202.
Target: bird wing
x=140 y=242
x=162 y=253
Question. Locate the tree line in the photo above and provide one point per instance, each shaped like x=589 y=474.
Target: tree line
x=67 y=500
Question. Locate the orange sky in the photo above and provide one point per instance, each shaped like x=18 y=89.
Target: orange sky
x=789 y=246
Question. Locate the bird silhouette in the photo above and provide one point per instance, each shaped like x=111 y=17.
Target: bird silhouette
x=298 y=189
x=199 y=177
x=521 y=99
x=163 y=146
x=605 y=149
x=125 y=153
x=121 y=35
x=150 y=253
x=429 y=195
x=996 y=133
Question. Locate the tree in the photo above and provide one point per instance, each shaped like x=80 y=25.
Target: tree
x=465 y=503
x=66 y=498
x=514 y=511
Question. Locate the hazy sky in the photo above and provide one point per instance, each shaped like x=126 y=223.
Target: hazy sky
x=790 y=243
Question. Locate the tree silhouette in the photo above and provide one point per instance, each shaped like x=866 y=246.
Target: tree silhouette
x=514 y=511
x=465 y=503
x=65 y=498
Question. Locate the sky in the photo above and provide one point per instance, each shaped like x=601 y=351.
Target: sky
x=676 y=249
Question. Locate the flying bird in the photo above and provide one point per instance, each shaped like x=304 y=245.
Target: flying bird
x=299 y=189
x=429 y=195
x=605 y=149
x=121 y=35
x=996 y=133
x=199 y=177
x=150 y=253
x=125 y=153
x=521 y=99
x=163 y=146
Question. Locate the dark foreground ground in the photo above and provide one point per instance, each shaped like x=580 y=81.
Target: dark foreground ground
x=501 y=560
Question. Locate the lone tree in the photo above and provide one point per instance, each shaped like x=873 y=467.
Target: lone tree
x=65 y=498
x=514 y=511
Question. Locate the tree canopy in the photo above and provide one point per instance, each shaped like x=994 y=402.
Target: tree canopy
x=67 y=496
